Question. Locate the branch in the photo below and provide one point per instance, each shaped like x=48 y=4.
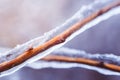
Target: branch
x=55 y=41
x=68 y=57
x=90 y=62
x=69 y=52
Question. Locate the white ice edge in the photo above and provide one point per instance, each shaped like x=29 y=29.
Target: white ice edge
x=64 y=65
x=35 y=42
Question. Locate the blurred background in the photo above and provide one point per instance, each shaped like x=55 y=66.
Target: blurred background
x=22 y=20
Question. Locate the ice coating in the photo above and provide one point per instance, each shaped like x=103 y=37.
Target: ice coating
x=81 y=14
x=110 y=58
x=106 y=57
x=45 y=64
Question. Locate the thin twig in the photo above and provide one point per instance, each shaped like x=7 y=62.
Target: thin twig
x=90 y=62
x=54 y=41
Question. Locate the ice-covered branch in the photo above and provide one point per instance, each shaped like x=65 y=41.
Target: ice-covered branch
x=42 y=46
x=108 y=58
x=68 y=58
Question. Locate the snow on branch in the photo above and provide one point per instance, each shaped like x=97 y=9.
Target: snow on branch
x=38 y=48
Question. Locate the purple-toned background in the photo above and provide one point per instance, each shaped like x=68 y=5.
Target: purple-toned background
x=21 y=20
